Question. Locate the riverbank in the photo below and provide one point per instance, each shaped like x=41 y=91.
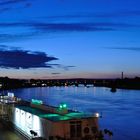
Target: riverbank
x=126 y=83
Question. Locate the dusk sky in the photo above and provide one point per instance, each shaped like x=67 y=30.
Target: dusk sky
x=69 y=38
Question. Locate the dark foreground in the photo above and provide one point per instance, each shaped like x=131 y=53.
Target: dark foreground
x=7 y=133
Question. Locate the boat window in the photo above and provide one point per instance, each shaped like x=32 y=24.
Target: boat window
x=86 y=130
x=75 y=129
x=94 y=129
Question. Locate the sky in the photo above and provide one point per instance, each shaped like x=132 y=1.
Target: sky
x=56 y=39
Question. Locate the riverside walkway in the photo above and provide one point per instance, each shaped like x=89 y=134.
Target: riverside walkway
x=8 y=134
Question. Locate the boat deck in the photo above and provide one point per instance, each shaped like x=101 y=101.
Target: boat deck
x=55 y=116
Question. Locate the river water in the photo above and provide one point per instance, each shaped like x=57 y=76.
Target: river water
x=120 y=110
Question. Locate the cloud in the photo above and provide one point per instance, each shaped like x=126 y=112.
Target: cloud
x=14 y=57
x=17 y=36
x=125 y=48
x=5 y=47
x=59 y=26
x=70 y=27
x=27 y=5
x=7 y=5
x=4 y=9
x=24 y=59
x=79 y=26
x=27 y=30
x=119 y=14
x=9 y=2
x=56 y=73
x=95 y=15
x=66 y=68
x=35 y=27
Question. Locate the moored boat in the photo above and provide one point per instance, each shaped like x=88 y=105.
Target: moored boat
x=113 y=89
x=38 y=121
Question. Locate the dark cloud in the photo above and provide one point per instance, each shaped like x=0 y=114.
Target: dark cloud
x=69 y=27
x=95 y=15
x=75 y=16
x=126 y=48
x=119 y=14
x=9 y=2
x=55 y=73
x=17 y=37
x=4 y=9
x=27 y=5
x=80 y=27
x=14 y=57
x=5 y=47
x=36 y=29
x=32 y=29
x=66 y=68
x=24 y=59
x=8 y=5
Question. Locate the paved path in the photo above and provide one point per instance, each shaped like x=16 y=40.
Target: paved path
x=7 y=134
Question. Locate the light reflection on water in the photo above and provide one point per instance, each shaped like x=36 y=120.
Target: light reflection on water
x=120 y=110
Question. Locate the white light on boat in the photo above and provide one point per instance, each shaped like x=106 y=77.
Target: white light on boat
x=97 y=115
x=10 y=94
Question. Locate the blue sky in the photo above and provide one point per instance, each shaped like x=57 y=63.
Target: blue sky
x=69 y=38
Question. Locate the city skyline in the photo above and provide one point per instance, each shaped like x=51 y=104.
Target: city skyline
x=56 y=39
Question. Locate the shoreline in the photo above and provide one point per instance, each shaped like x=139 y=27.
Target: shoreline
x=125 y=88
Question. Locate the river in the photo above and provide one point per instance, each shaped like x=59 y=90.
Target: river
x=120 y=110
